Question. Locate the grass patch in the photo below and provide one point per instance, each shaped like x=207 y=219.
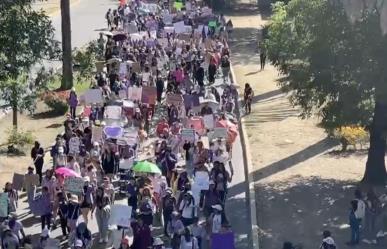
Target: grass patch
x=80 y=87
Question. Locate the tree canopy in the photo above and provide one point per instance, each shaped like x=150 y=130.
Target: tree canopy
x=26 y=37
x=333 y=67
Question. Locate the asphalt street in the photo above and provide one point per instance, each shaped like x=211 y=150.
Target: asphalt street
x=88 y=20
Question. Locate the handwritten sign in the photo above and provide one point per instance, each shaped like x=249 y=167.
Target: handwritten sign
x=188 y=135
x=126 y=163
x=219 y=132
x=134 y=93
x=74 y=185
x=174 y=99
x=96 y=134
x=120 y=215
x=17 y=181
x=74 y=144
x=202 y=180
x=123 y=94
x=93 y=96
x=36 y=205
x=149 y=94
x=113 y=112
x=209 y=121
x=3 y=205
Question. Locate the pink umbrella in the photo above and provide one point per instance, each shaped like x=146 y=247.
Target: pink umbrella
x=65 y=172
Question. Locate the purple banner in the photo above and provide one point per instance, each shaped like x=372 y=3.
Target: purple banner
x=223 y=241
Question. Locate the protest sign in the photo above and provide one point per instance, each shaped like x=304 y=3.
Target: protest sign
x=3 y=205
x=163 y=42
x=199 y=30
x=74 y=185
x=132 y=28
x=134 y=93
x=196 y=123
x=93 y=96
x=188 y=135
x=31 y=180
x=209 y=121
x=153 y=34
x=187 y=29
x=126 y=164
x=201 y=180
x=206 y=11
x=123 y=94
x=120 y=215
x=113 y=112
x=223 y=240
x=37 y=205
x=17 y=181
x=219 y=132
x=169 y=30
x=179 y=27
x=74 y=144
x=174 y=99
x=96 y=134
x=149 y=94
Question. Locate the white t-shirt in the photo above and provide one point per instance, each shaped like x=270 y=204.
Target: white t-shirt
x=188 y=211
x=192 y=244
x=361 y=207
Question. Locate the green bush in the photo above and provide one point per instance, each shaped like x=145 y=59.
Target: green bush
x=20 y=138
x=56 y=102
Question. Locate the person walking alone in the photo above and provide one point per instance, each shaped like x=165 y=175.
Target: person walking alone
x=248 y=97
x=262 y=56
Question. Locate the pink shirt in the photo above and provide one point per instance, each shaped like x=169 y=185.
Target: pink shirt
x=179 y=75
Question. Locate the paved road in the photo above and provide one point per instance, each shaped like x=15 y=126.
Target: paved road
x=87 y=20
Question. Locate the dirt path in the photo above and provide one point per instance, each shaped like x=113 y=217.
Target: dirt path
x=302 y=186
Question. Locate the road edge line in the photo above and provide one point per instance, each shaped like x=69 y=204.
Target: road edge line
x=248 y=168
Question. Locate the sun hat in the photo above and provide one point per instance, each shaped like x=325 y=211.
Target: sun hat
x=217 y=207
x=158 y=242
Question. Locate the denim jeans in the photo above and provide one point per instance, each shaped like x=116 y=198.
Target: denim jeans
x=355 y=234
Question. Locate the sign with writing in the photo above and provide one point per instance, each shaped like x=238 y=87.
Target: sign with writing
x=168 y=19
x=169 y=30
x=219 y=132
x=3 y=205
x=74 y=185
x=113 y=112
x=126 y=163
x=209 y=121
x=179 y=27
x=96 y=134
x=17 y=181
x=196 y=123
x=188 y=135
x=37 y=205
x=93 y=96
x=74 y=144
x=149 y=94
x=134 y=93
x=123 y=94
x=120 y=215
x=202 y=180
x=174 y=99
x=223 y=240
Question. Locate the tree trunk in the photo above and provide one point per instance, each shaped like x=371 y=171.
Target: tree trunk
x=14 y=117
x=67 y=67
x=375 y=172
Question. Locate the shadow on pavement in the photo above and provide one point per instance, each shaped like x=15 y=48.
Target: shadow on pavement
x=300 y=209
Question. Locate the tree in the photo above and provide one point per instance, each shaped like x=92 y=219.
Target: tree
x=67 y=66
x=334 y=68
x=26 y=37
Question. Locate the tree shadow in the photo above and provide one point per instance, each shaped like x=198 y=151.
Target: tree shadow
x=244 y=45
x=45 y=115
x=15 y=152
x=54 y=126
x=266 y=95
x=286 y=163
x=301 y=208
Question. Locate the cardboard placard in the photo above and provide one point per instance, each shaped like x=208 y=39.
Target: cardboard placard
x=113 y=112
x=17 y=181
x=179 y=27
x=149 y=95
x=209 y=121
x=121 y=215
x=36 y=205
x=96 y=134
x=219 y=132
x=3 y=205
x=188 y=135
x=134 y=93
x=31 y=180
x=93 y=96
x=202 y=180
x=74 y=185
x=169 y=30
x=175 y=99
x=74 y=144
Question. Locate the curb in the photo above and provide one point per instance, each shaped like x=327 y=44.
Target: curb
x=248 y=167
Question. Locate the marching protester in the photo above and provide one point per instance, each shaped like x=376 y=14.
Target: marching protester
x=157 y=124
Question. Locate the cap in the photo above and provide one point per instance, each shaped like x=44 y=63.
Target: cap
x=217 y=207
x=78 y=243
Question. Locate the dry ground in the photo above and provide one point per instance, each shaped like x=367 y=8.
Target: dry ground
x=302 y=186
